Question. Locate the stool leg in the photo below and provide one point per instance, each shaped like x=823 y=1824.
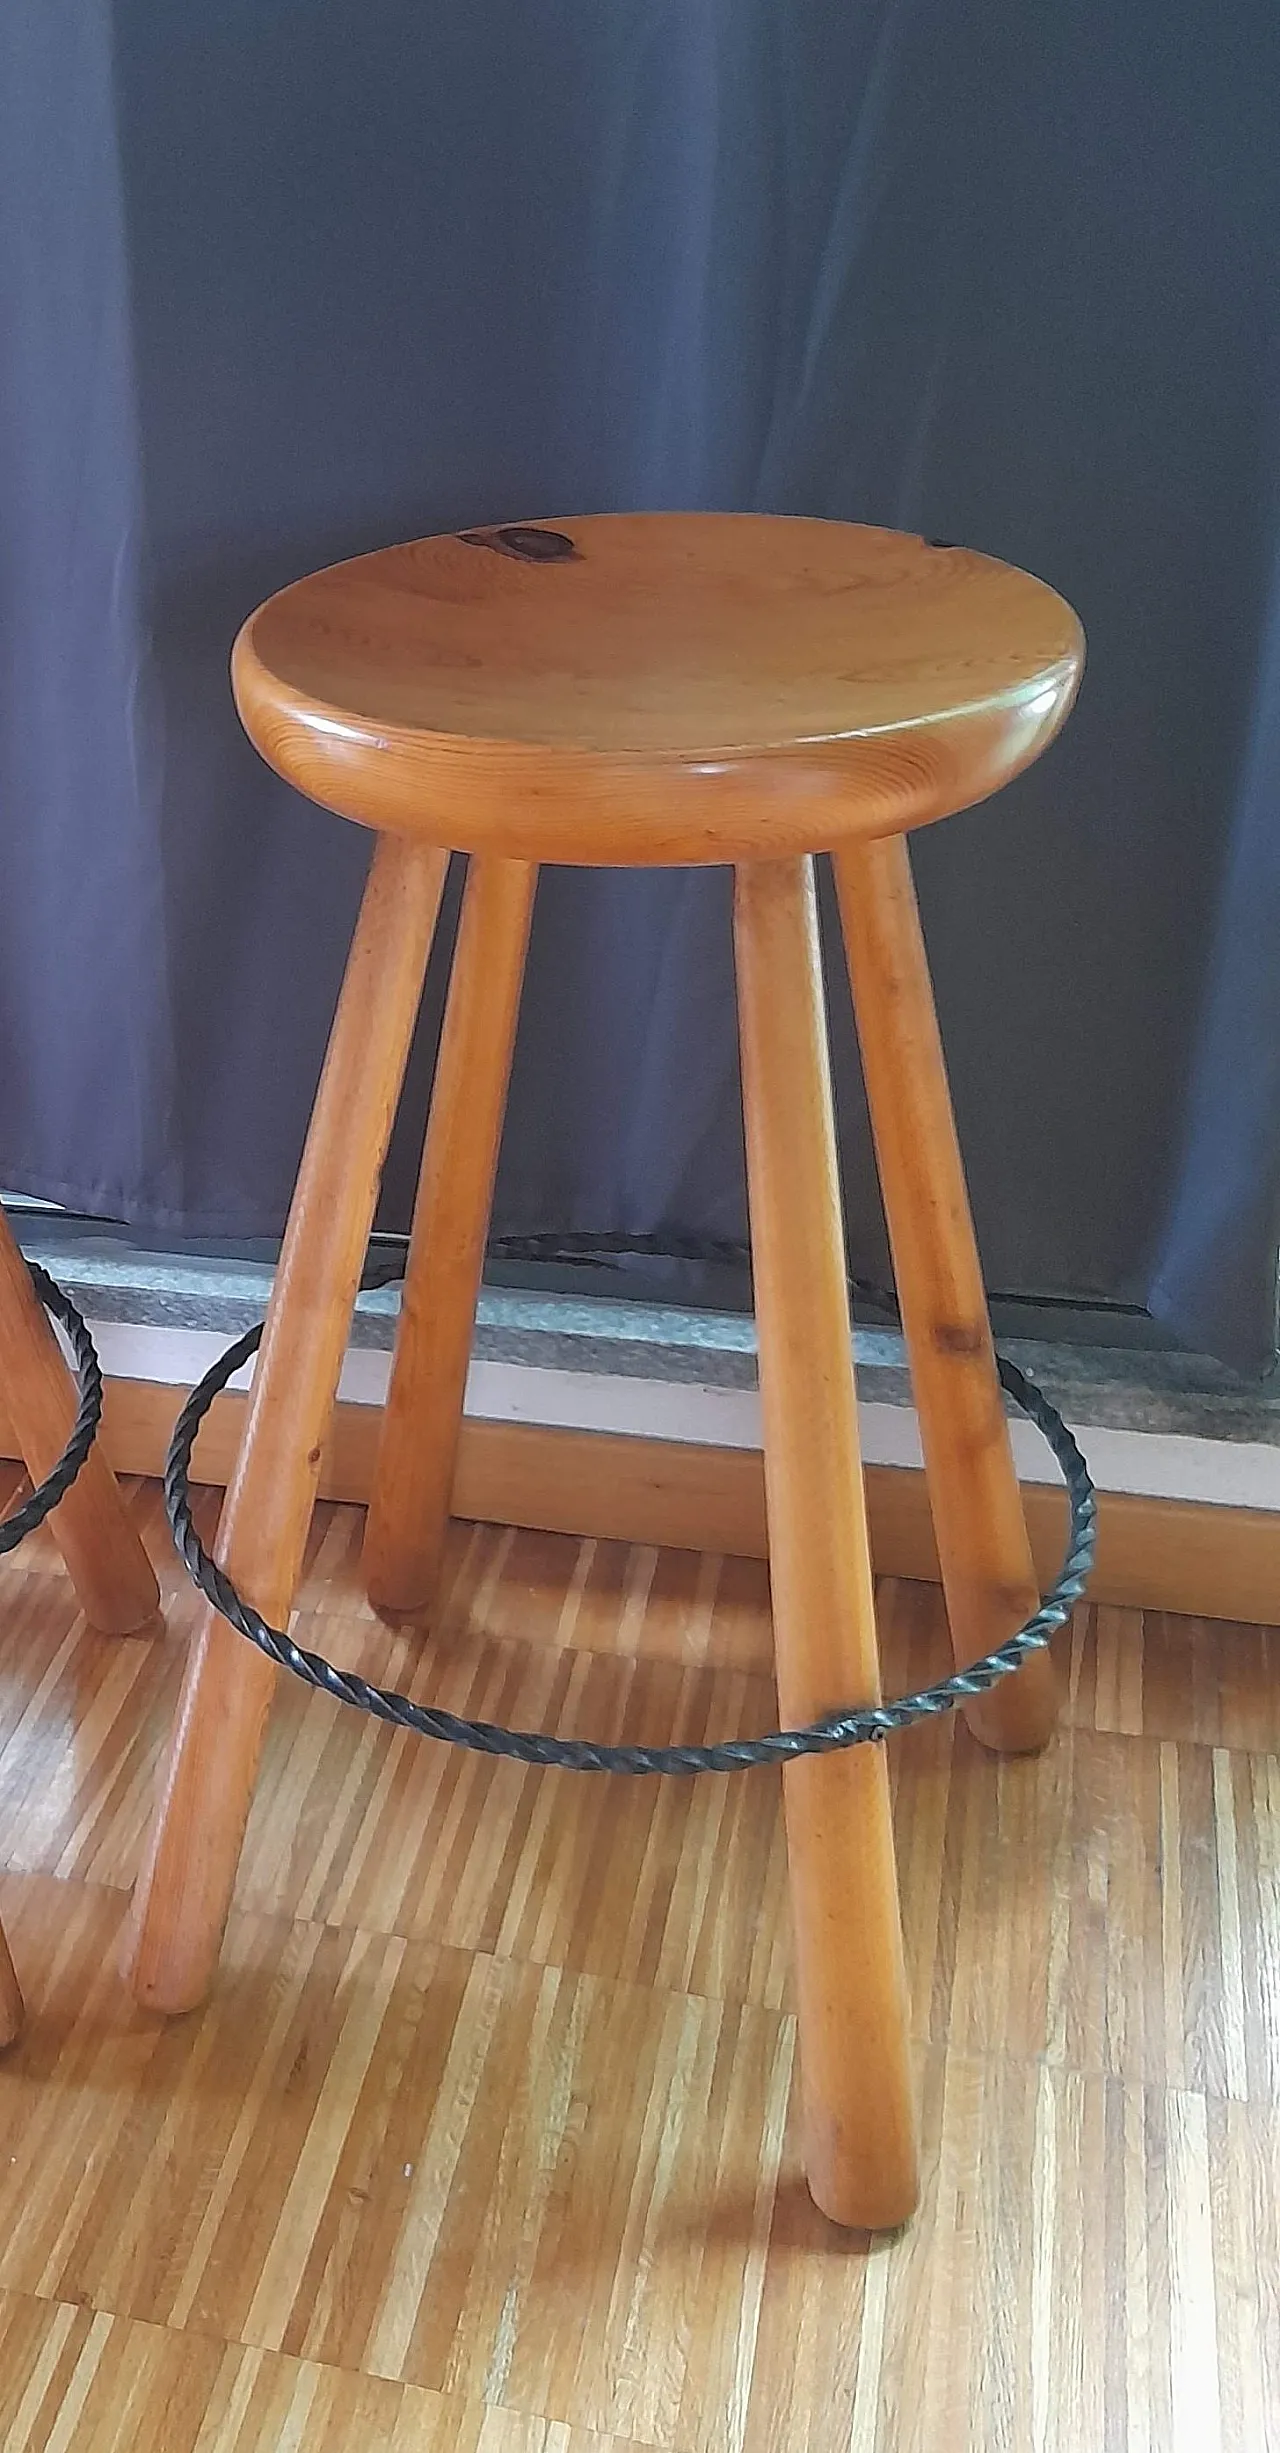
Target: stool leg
x=859 y=2117
x=409 y=1515
x=12 y=2011
x=987 y=1569
x=184 y=1891
x=105 y=1557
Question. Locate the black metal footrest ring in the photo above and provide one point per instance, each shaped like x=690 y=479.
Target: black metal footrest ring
x=84 y=1430
x=862 y=1726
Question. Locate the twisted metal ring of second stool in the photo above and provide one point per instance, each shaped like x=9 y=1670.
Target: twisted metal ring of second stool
x=84 y=1430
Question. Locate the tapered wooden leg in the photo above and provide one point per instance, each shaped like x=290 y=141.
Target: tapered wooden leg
x=12 y=2011
x=859 y=2116
x=409 y=1516
x=105 y=1557
x=183 y=1894
x=987 y=1569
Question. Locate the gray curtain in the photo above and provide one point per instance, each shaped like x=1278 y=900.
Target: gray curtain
x=283 y=279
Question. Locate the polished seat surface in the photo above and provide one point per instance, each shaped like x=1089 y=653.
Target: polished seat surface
x=688 y=686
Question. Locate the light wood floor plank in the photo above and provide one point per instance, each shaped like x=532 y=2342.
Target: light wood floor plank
x=73 y=2382
x=487 y=2137
x=401 y=2159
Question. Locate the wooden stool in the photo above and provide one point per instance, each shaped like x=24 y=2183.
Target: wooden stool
x=104 y=1554
x=628 y=691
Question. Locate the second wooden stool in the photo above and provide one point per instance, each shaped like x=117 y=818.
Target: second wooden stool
x=104 y=1554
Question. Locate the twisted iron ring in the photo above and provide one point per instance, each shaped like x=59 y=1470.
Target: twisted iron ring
x=867 y=1724
x=56 y=1484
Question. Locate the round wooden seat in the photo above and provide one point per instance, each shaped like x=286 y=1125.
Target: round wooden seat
x=657 y=687
x=621 y=691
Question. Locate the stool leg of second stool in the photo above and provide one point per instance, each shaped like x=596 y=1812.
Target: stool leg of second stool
x=99 y=1541
x=855 y=2065
x=12 y=2011
x=987 y=1569
x=409 y=1513
x=184 y=1890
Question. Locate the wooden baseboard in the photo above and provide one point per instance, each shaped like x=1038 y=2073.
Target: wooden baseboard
x=1155 y=1554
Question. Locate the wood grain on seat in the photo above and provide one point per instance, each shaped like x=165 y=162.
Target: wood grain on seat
x=680 y=687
